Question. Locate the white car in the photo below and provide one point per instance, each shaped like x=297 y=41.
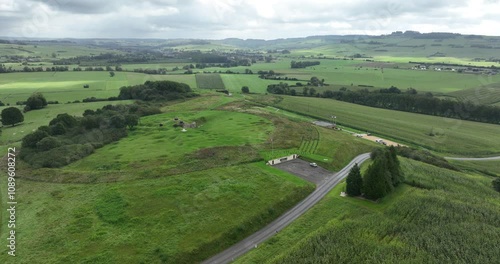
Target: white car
x=313 y=164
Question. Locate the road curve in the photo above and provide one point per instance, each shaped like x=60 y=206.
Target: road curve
x=472 y=159
x=284 y=220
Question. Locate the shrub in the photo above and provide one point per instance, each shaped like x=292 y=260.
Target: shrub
x=48 y=143
x=36 y=101
x=30 y=140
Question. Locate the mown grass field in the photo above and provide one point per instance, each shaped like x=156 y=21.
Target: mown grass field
x=68 y=86
x=451 y=218
x=451 y=135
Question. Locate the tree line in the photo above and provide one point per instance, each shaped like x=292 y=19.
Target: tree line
x=303 y=64
x=381 y=177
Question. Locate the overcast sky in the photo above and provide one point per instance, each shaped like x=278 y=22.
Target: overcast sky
x=264 y=19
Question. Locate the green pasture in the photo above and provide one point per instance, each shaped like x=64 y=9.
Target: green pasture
x=454 y=136
x=45 y=50
x=447 y=220
x=346 y=73
x=68 y=86
x=234 y=82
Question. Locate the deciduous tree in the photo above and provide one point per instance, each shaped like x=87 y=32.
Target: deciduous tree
x=11 y=116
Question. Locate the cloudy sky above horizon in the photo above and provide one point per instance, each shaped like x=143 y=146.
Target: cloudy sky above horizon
x=262 y=19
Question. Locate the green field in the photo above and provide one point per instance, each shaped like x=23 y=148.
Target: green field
x=234 y=82
x=487 y=94
x=45 y=50
x=167 y=145
x=452 y=218
x=37 y=118
x=182 y=218
x=182 y=175
x=451 y=135
x=68 y=86
x=490 y=167
x=163 y=195
x=209 y=81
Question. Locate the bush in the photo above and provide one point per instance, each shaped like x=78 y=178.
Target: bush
x=496 y=184
x=57 y=129
x=48 y=143
x=59 y=156
x=36 y=101
x=30 y=140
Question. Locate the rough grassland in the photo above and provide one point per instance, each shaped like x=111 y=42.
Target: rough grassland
x=452 y=218
x=176 y=219
x=151 y=142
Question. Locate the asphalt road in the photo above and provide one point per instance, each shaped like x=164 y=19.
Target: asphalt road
x=260 y=236
x=479 y=159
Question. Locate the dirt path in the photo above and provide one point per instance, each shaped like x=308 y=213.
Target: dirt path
x=379 y=140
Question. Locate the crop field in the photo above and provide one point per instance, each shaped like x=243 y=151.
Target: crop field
x=68 y=86
x=451 y=218
x=209 y=81
x=450 y=135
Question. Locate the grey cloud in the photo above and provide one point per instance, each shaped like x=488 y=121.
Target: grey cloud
x=238 y=18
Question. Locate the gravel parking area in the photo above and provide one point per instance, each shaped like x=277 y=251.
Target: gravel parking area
x=302 y=169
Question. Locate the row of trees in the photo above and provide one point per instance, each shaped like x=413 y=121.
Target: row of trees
x=159 y=90
x=416 y=103
x=303 y=64
x=381 y=177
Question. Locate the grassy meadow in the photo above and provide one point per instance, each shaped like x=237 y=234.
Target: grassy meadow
x=451 y=218
x=177 y=219
x=150 y=142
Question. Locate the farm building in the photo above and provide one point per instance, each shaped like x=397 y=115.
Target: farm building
x=282 y=159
